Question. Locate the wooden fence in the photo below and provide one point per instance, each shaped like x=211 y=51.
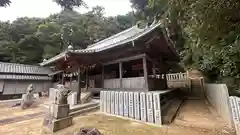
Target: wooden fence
x=144 y=106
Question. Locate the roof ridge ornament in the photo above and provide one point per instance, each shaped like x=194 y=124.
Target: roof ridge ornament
x=70 y=47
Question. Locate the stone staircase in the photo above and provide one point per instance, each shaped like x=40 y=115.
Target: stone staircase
x=197 y=88
x=171 y=111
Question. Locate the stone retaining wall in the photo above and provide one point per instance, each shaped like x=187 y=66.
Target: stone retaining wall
x=144 y=106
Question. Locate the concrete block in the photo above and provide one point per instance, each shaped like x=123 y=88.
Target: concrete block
x=116 y=110
x=131 y=105
x=126 y=104
x=143 y=107
x=108 y=101
x=105 y=101
x=121 y=102
x=150 y=115
x=53 y=125
x=112 y=102
x=59 y=111
x=102 y=101
x=136 y=106
x=157 y=108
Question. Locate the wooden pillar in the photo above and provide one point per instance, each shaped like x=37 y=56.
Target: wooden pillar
x=102 y=76
x=79 y=86
x=120 y=73
x=145 y=72
x=71 y=82
x=87 y=78
x=59 y=78
x=62 y=78
x=154 y=69
x=165 y=80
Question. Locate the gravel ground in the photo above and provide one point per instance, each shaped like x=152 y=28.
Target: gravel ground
x=108 y=125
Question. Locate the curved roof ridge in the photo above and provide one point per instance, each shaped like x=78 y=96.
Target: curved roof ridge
x=114 y=36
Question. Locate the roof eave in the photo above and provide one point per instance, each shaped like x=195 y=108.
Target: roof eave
x=54 y=59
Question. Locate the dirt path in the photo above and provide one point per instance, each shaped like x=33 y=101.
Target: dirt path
x=20 y=118
x=199 y=114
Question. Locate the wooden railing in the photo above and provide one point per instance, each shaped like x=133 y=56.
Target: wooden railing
x=177 y=76
x=178 y=80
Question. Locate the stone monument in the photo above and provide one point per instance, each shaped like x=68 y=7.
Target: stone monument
x=27 y=99
x=143 y=107
x=121 y=105
x=108 y=101
x=116 y=104
x=131 y=105
x=157 y=108
x=125 y=104
x=150 y=114
x=112 y=102
x=105 y=101
x=58 y=117
x=136 y=106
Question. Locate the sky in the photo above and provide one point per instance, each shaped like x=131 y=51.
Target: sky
x=43 y=8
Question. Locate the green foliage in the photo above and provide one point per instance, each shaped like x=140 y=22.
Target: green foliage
x=70 y=4
x=4 y=3
x=65 y=4
x=206 y=33
x=30 y=40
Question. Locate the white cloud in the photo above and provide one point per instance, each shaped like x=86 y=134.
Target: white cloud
x=43 y=8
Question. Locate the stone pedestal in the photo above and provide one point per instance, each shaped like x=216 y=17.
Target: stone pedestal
x=53 y=125
x=58 y=117
x=59 y=111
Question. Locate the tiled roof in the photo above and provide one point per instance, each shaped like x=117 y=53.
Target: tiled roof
x=23 y=77
x=13 y=68
x=121 y=38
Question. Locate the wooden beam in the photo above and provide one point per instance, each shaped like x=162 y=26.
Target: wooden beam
x=87 y=78
x=153 y=60
x=62 y=78
x=125 y=59
x=165 y=80
x=145 y=72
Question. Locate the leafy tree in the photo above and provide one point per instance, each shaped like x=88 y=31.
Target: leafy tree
x=70 y=4
x=206 y=32
x=30 y=40
x=4 y=3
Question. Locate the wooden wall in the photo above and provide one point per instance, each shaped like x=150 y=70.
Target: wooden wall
x=130 y=83
x=11 y=87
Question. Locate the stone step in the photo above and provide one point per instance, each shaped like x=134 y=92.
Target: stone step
x=82 y=106
x=85 y=110
x=171 y=112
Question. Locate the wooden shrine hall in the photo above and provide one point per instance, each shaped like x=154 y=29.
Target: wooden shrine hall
x=136 y=59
